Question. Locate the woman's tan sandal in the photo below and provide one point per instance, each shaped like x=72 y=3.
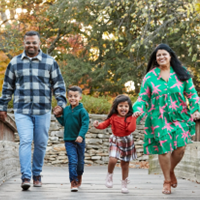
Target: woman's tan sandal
x=173 y=180
x=166 y=187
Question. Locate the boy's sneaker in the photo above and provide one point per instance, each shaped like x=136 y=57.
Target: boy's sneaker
x=124 y=186
x=79 y=180
x=37 y=181
x=74 y=186
x=25 y=184
x=109 y=180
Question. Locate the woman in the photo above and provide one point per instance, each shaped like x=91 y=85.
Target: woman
x=169 y=124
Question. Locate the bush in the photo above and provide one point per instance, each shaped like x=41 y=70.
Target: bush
x=133 y=99
x=100 y=105
x=10 y=104
x=97 y=105
x=93 y=105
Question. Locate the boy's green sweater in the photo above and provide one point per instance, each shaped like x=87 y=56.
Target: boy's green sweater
x=75 y=122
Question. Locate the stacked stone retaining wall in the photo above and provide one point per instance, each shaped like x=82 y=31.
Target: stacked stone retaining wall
x=97 y=143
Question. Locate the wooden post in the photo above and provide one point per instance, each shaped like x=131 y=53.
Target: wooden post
x=9 y=155
x=7 y=129
x=197 y=135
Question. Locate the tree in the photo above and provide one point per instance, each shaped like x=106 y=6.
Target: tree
x=124 y=33
x=104 y=44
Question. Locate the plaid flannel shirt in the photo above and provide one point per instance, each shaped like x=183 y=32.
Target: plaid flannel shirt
x=32 y=81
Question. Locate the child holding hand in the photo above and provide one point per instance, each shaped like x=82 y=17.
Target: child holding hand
x=75 y=120
x=121 y=142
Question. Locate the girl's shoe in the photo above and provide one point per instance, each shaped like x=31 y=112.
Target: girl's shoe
x=124 y=186
x=173 y=180
x=166 y=187
x=109 y=180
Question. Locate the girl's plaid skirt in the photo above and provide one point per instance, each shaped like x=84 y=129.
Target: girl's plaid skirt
x=122 y=148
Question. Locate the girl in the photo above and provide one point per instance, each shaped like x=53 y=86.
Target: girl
x=121 y=142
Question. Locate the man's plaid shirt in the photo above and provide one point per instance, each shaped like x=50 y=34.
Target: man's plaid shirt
x=32 y=81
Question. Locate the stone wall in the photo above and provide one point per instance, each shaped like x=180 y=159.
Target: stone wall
x=97 y=143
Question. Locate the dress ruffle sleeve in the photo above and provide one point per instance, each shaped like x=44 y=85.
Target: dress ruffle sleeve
x=192 y=96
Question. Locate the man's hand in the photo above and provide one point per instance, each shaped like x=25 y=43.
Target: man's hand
x=58 y=111
x=79 y=139
x=3 y=116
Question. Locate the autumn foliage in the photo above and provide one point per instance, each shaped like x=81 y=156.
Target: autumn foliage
x=101 y=45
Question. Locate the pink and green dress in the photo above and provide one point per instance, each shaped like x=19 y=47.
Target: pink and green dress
x=168 y=124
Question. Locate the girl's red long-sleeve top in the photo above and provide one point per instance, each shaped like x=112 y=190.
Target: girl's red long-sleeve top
x=119 y=126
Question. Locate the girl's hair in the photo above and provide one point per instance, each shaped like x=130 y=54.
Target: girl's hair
x=120 y=98
x=182 y=73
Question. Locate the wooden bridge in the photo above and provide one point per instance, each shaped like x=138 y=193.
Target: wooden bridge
x=56 y=182
x=56 y=186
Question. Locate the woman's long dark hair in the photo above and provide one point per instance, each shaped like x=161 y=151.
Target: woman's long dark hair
x=120 y=98
x=182 y=73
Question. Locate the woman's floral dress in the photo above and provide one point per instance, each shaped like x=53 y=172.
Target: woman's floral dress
x=168 y=124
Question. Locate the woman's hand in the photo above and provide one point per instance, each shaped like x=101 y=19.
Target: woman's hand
x=137 y=114
x=196 y=115
x=95 y=123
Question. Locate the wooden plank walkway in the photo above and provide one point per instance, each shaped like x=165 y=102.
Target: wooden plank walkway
x=56 y=186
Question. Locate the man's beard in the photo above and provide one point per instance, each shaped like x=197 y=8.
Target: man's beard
x=30 y=53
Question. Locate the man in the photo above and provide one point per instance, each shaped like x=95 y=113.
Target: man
x=31 y=77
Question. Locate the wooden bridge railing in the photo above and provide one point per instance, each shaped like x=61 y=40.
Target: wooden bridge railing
x=7 y=129
x=9 y=158
x=197 y=135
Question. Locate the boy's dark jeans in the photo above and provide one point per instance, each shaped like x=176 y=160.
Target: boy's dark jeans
x=75 y=153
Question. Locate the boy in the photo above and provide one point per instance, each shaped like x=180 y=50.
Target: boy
x=75 y=120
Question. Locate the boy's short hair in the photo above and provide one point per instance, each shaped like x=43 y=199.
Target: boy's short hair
x=75 y=88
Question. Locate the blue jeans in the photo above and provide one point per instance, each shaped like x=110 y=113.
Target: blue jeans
x=32 y=127
x=75 y=153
